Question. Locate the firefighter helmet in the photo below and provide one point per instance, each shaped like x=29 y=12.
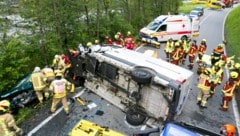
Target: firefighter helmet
x=96 y=41
x=89 y=44
x=177 y=44
x=230 y=129
x=233 y=74
x=237 y=65
x=59 y=74
x=4 y=105
x=220 y=45
x=204 y=40
x=170 y=39
x=37 y=69
x=116 y=36
x=128 y=33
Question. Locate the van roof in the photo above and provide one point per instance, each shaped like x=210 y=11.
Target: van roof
x=171 y=18
x=131 y=59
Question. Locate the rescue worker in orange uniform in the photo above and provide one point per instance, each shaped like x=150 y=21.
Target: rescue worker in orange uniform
x=39 y=85
x=8 y=126
x=169 y=48
x=216 y=77
x=176 y=54
x=228 y=90
x=217 y=54
x=192 y=53
x=204 y=88
x=186 y=48
x=202 y=49
x=228 y=130
x=129 y=41
x=60 y=87
x=108 y=40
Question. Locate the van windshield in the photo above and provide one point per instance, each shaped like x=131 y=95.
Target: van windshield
x=153 y=25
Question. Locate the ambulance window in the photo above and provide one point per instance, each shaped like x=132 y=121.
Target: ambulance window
x=162 y=28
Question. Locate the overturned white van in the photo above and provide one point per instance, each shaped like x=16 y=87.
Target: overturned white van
x=175 y=26
x=148 y=89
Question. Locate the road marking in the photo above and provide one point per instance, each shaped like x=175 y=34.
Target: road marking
x=205 y=18
x=234 y=103
x=52 y=116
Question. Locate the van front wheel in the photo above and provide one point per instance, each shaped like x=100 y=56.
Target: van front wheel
x=184 y=38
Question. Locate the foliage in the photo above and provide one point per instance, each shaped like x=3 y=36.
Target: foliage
x=232 y=33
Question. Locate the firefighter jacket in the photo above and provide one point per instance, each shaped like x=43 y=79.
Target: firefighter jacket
x=193 y=50
x=216 y=76
x=60 y=87
x=7 y=123
x=229 y=88
x=37 y=79
x=58 y=64
x=186 y=47
x=169 y=47
x=177 y=53
x=217 y=53
x=48 y=72
x=203 y=82
x=202 y=49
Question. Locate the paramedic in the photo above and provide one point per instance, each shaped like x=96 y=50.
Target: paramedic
x=169 y=48
x=176 y=54
x=202 y=49
x=228 y=90
x=192 y=53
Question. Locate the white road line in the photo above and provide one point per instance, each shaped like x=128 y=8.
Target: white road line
x=52 y=116
x=234 y=103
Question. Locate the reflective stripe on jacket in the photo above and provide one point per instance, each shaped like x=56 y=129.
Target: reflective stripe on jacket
x=37 y=81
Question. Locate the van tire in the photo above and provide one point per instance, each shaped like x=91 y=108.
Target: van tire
x=141 y=76
x=134 y=117
x=184 y=38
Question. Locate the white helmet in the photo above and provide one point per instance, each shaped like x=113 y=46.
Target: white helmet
x=37 y=69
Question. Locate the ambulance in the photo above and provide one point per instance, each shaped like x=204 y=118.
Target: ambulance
x=174 y=26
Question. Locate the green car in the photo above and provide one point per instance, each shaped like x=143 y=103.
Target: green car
x=21 y=94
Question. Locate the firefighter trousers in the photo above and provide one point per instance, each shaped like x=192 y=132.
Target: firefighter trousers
x=202 y=97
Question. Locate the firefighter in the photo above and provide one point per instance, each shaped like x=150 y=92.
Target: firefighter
x=217 y=54
x=58 y=63
x=39 y=85
x=48 y=75
x=216 y=77
x=169 y=48
x=176 y=54
x=119 y=39
x=202 y=49
x=8 y=126
x=59 y=87
x=192 y=53
x=228 y=90
x=228 y=130
x=186 y=48
x=129 y=41
x=204 y=88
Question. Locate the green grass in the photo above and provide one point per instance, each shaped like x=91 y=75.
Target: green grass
x=232 y=33
x=23 y=114
x=187 y=7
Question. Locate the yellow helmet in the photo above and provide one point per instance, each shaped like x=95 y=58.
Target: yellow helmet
x=89 y=44
x=96 y=41
x=116 y=36
x=37 y=69
x=233 y=74
x=170 y=39
x=237 y=65
x=177 y=44
x=4 y=105
x=179 y=40
x=204 y=40
x=128 y=33
x=220 y=45
x=59 y=74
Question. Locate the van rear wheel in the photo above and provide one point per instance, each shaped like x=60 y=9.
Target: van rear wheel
x=184 y=38
x=134 y=117
x=141 y=76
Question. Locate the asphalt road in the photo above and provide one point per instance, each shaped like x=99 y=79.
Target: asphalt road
x=44 y=124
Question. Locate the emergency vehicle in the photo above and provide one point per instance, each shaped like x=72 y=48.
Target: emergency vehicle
x=149 y=90
x=175 y=26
